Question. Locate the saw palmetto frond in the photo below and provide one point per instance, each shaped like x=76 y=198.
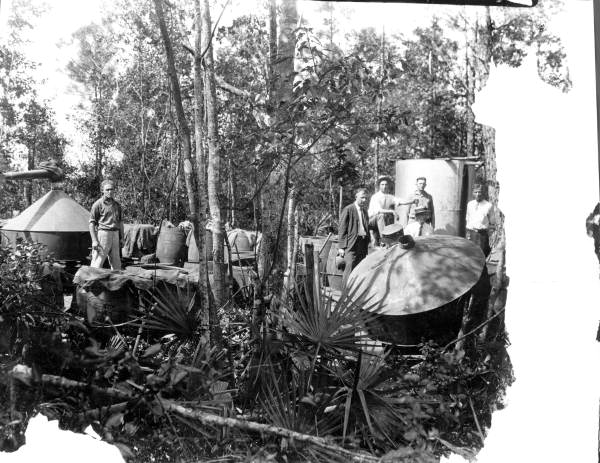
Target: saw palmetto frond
x=331 y=325
x=364 y=400
x=172 y=312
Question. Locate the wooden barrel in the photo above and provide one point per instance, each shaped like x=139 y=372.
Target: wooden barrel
x=170 y=247
x=96 y=305
x=334 y=275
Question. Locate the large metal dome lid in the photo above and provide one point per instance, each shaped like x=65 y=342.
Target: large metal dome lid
x=436 y=271
x=54 y=212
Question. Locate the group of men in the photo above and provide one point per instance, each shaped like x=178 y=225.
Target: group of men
x=359 y=226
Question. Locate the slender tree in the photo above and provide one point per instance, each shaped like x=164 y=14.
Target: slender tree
x=214 y=161
x=184 y=130
x=201 y=166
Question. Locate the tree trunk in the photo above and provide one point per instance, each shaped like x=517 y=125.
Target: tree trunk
x=184 y=131
x=214 y=161
x=232 y=193
x=199 y=230
x=471 y=26
x=272 y=48
x=281 y=70
x=291 y=264
x=30 y=166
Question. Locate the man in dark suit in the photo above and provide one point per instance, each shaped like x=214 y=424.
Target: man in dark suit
x=354 y=233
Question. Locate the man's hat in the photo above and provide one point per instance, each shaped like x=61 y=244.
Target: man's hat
x=381 y=178
x=392 y=229
x=421 y=210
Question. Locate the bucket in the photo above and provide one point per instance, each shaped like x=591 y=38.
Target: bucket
x=170 y=247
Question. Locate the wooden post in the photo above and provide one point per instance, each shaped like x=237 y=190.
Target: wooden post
x=309 y=260
x=316 y=278
x=341 y=202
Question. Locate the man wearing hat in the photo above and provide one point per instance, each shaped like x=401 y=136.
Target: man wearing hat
x=422 y=199
x=353 y=244
x=381 y=208
x=480 y=220
x=419 y=227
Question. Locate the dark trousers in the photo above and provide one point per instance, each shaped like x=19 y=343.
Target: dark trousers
x=354 y=255
x=481 y=238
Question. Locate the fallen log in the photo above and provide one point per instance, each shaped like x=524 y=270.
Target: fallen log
x=252 y=426
x=24 y=374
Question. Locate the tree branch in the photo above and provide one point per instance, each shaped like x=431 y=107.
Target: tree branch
x=220 y=81
x=251 y=426
x=25 y=375
x=232 y=89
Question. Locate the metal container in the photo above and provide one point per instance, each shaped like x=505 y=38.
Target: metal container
x=56 y=221
x=440 y=325
x=419 y=289
x=448 y=182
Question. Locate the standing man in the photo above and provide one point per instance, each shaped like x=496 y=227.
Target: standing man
x=381 y=208
x=106 y=228
x=354 y=236
x=422 y=199
x=480 y=220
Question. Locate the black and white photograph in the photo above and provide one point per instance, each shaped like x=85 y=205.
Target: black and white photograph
x=299 y=231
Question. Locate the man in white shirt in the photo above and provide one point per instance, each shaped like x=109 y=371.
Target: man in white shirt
x=419 y=227
x=382 y=208
x=480 y=220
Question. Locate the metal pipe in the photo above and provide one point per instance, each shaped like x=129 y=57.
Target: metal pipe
x=54 y=174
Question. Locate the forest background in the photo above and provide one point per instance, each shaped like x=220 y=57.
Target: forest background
x=361 y=97
x=304 y=108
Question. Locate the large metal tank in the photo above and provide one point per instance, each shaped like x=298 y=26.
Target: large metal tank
x=419 y=289
x=448 y=182
x=56 y=221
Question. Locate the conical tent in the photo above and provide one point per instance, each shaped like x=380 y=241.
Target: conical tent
x=436 y=271
x=54 y=212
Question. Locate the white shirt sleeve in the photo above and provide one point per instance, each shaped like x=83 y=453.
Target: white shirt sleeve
x=375 y=204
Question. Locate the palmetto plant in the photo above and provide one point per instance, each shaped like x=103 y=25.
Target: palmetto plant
x=171 y=311
x=364 y=397
x=333 y=326
x=285 y=404
x=351 y=371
